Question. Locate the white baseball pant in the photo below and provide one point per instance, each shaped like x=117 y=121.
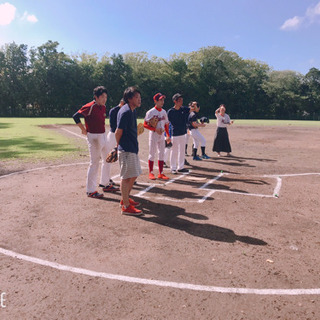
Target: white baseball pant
x=198 y=138
x=156 y=143
x=111 y=143
x=97 y=143
x=177 y=152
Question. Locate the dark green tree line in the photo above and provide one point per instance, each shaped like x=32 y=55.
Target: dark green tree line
x=46 y=82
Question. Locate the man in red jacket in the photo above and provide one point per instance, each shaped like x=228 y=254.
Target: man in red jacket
x=94 y=114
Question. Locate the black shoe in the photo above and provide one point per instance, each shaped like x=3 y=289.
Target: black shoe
x=186 y=163
x=165 y=165
x=112 y=182
x=183 y=170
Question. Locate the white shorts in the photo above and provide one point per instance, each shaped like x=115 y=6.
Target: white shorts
x=129 y=164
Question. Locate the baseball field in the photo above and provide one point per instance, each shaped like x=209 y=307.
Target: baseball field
x=235 y=238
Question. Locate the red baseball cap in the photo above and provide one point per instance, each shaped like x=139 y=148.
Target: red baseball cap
x=158 y=96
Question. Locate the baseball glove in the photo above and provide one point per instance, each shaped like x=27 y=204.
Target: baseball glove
x=153 y=122
x=112 y=155
x=204 y=120
x=140 y=128
x=168 y=145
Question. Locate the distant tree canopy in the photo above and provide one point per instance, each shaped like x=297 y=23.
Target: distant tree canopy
x=44 y=82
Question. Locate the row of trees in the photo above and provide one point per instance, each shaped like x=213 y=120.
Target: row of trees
x=46 y=82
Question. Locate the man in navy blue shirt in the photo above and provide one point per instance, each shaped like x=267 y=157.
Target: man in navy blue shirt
x=111 y=142
x=178 y=117
x=128 y=148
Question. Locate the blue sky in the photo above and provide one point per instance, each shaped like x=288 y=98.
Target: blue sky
x=285 y=34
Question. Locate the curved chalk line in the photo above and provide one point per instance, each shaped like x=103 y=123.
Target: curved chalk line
x=160 y=283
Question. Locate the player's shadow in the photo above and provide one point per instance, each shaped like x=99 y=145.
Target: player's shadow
x=206 y=169
x=213 y=186
x=241 y=159
x=245 y=180
x=177 y=218
x=174 y=194
x=234 y=164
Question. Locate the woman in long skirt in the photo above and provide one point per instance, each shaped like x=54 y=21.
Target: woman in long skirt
x=221 y=142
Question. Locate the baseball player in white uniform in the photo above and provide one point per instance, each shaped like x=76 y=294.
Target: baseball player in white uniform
x=156 y=135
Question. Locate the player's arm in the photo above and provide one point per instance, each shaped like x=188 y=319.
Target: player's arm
x=166 y=129
x=77 y=120
x=118 y=135
x=217 y=112
x=147 y=126
x=196 y=124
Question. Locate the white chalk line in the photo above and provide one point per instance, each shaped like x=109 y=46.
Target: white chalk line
x=75 y=134
x=43 y=168
x=167 y=199
x=277 y=188
x=211 y=192
x=159 y=283
x=292 y=174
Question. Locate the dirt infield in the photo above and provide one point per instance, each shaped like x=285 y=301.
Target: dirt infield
x=236 y=238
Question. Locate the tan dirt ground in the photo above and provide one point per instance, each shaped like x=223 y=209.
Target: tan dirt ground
x=234 y=238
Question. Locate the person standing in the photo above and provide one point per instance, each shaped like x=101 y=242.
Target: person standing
x=198 y=138
x=128 y=148
x=168 y=145
x=221 y=141
x=111 y=139
x=156 y=141
x=178 y=116
x=94 y=114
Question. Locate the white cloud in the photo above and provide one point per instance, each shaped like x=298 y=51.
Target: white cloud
x=292 y=24
x=29 y=17
x=7 y=13
x=32 y=18
x=312 y=15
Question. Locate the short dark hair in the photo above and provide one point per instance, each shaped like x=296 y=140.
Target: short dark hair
x=176 y=97
x=98 y=91
x=129 y=93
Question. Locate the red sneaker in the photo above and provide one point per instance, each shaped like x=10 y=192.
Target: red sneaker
x=131 y=211
x=162 y=176
x=132 y=202
x=151 y=176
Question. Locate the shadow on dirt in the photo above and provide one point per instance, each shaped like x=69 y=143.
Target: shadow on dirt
x=241 y=159
x=174 y=217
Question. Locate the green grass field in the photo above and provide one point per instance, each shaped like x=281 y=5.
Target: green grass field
x=23 y=138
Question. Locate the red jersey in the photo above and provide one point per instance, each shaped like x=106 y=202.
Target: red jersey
x=94 y=117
